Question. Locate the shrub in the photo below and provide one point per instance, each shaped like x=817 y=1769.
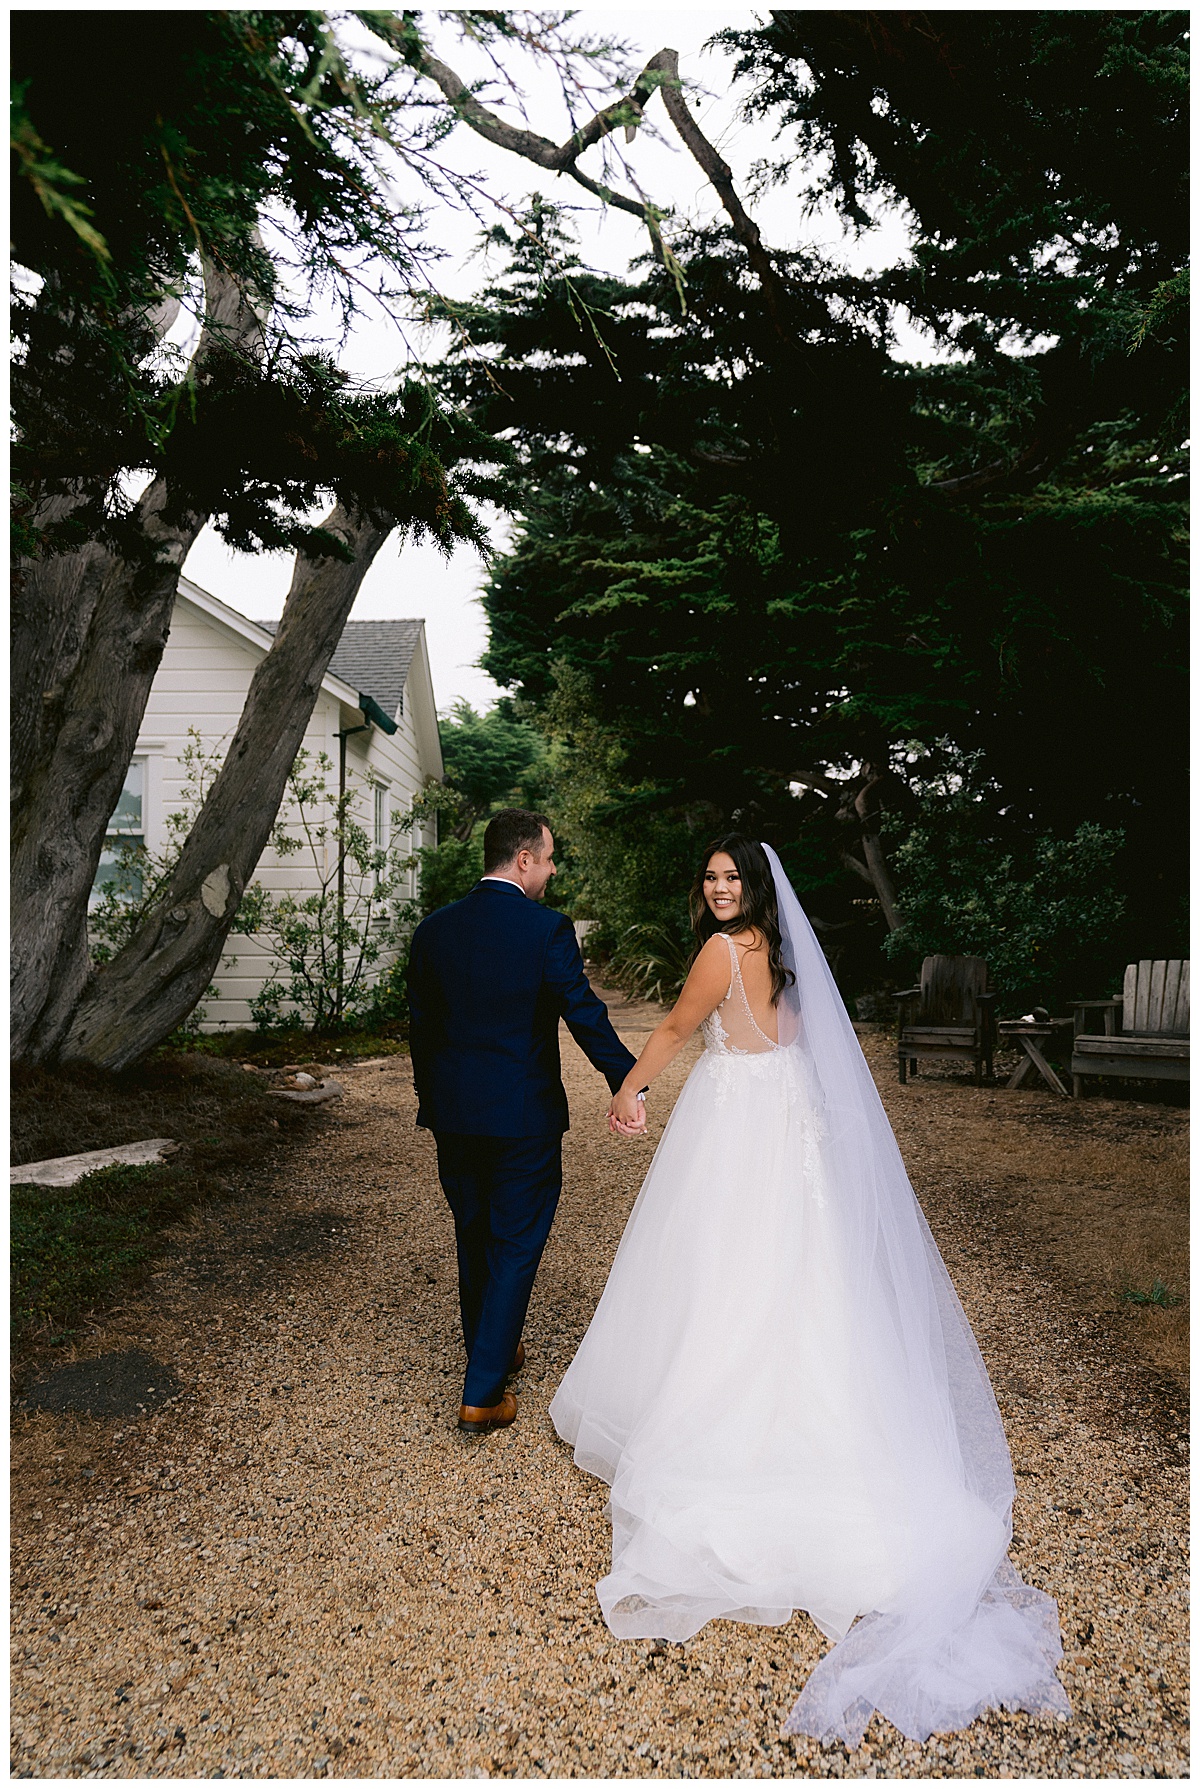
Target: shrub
x=1045 y=914
x=651 y=962
x=450 y=870
x=326 y=943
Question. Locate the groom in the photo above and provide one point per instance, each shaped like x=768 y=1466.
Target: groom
x=488 y=980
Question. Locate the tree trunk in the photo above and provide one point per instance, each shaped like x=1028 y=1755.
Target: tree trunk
x=857 y=808
x=138 y=999
x=878 y=870
x=67 y=799
x=53 y=602
x=90 y=626
x=881 y=879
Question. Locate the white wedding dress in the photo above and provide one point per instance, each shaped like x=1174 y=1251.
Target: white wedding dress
x=781 y=1388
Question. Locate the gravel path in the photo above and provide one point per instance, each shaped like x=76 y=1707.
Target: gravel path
x=297 y=1567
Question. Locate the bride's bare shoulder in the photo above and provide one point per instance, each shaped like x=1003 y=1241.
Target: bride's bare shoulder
x=707 y=983
x=714 y=946
x=711 y=962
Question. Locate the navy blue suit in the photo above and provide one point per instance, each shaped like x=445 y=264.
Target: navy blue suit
x=489 y=979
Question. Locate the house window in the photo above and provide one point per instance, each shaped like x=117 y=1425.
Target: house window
x=406 y=844
x=127 y=827
x=383 y=828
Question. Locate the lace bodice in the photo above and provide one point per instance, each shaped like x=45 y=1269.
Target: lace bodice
x=731 y=1028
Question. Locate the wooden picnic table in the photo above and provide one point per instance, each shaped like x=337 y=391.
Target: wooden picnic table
x=1028 y=1035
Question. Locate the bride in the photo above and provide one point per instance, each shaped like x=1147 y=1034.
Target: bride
x=779 y=1383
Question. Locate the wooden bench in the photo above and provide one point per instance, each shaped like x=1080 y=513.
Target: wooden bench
x=1153 y=1040
x=949 y=1014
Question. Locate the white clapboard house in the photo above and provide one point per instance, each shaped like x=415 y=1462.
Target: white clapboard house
x=376 y=706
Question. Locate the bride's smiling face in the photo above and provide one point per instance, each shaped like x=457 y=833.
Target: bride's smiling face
x=723 y=887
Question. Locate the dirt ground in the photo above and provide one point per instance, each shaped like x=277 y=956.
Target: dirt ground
x=275 y=1556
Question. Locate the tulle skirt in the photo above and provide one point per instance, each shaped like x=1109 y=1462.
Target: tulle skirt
x=749 y=1433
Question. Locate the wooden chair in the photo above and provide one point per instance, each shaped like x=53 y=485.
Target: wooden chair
x=950 y=1014
x=1153 y=1040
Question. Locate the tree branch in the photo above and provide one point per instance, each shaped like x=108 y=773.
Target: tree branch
x=558 y=158
x=662 y=71
x=734 y=462
x=824 y=927
x=526 y=143
x=721 y=176
x=879 y=873
x=860 y=869
x=1031 y=460
x=814 y=779
x=633 y=206
x=881 y=879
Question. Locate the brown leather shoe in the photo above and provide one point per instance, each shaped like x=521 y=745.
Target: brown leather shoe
x=477 y=1419
x=518 y=1361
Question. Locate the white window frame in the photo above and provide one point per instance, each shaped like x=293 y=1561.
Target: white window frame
x=382 y=824
x=149 y=756
x=153 y=751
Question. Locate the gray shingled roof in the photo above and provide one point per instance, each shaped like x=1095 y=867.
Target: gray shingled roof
x=373 y=657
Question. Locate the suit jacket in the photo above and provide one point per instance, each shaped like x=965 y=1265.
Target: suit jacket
x=488 y=980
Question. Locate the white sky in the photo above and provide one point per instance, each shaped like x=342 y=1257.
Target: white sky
x=416 y=581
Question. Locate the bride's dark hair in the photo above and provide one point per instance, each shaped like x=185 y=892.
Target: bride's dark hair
x=759 y=907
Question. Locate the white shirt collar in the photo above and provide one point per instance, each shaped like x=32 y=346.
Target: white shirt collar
x=507 y=881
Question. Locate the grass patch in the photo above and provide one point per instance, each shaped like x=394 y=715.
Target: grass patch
x=76 y=1248
x=73 y=1246
x=1157 y=1295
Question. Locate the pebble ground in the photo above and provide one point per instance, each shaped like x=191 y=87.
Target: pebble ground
x=299 y=1568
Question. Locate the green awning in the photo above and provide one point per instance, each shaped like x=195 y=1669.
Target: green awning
x=375 y=713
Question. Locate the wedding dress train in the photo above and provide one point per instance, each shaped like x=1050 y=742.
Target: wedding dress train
x=782 y=1390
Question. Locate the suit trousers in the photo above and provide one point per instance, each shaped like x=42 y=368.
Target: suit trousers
x=503 y=1192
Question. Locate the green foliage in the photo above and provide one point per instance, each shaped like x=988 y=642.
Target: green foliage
x=148 y=141
x=295 y=1043
x=1041 y=156
x=651 y=962
x=71 y=1246
x=450 y=870
x=326 y=947
x=140 y=875
x=618 y=860
x=732 y=640
x=1157 y=1295
x=628 y=857
x=55 y=186
x=1046 y=912
x=492 y=760
x=489 y=759
x=385 y=1008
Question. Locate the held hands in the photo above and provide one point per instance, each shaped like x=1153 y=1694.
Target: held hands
x=626 y=1114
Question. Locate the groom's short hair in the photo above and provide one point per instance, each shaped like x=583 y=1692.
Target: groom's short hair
x=510 y=831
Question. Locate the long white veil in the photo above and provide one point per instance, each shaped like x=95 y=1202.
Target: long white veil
x=963 y=1632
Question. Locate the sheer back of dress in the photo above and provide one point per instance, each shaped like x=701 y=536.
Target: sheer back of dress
x=732 y=1026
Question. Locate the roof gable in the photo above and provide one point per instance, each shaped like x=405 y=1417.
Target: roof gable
x=374 y=656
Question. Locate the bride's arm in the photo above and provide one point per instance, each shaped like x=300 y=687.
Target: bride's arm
x=705 y=988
